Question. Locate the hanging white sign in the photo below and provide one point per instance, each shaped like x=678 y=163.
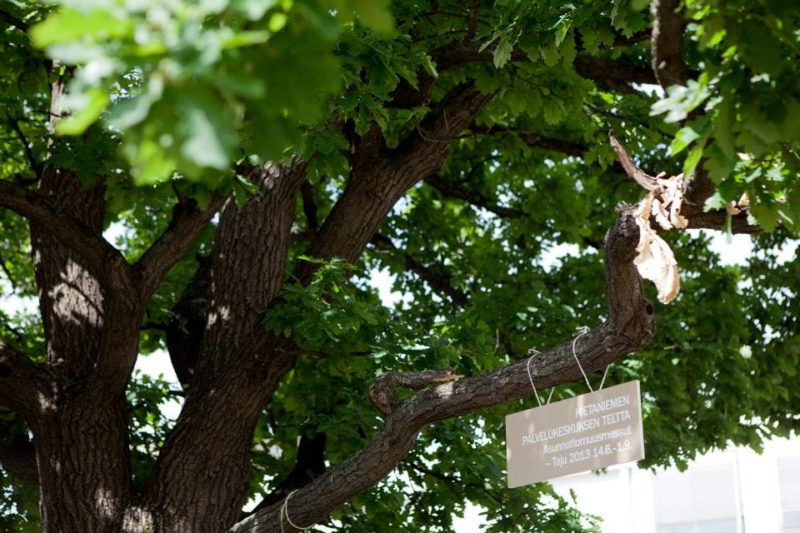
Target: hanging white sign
x=590 y=431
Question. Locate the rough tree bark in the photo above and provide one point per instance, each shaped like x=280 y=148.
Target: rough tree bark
x=89 y=319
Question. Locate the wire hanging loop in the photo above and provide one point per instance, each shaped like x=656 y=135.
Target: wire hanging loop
x=583 y=331
x=534 y=352
x=285 y=513
x=605 y=375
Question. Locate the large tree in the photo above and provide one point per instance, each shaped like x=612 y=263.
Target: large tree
x=257 y=160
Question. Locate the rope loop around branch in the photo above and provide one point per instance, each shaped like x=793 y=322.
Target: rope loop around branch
x=285 y=513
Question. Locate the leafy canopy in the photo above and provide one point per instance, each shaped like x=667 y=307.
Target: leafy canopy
x=179 y=94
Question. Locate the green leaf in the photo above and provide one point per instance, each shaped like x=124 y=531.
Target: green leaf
x=759 y=123
x=502 y=52
x=150 y=163
x=128 y=112
x=209 y=136
x=682 y=100
x=761 y=50
x=550 y=56
x=692 y=160
x=791 y=122
x=714 y=202
x=249 y=38
x=723 y=127
x=685 y=136
x=561 y=33
x=72 y=25
x=765 y=213
x=375 y=14
x=96 y=101
x=430 y=68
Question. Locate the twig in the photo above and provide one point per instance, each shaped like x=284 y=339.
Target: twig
x=26 y=146
x=12 y=20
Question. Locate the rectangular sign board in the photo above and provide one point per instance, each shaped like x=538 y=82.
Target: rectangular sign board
x=590 y=431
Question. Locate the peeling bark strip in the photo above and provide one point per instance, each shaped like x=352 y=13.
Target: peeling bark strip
x=630 y=327
x=691 y=208
x=646 y=181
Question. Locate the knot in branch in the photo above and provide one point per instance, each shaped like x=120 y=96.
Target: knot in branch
x=381 y=392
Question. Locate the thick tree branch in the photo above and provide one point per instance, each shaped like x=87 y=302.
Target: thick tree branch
x=188 y=221
x=99 y=254
x=309 y=206
x=250 y=254
x=472 y=26
x=718 y=219
x=454 y=190
x=185 y=329
x=239 y=364
x=638 y=37
x=630 y=326
x=610 y=73
x=19 y=382
x=667 y=42
x=437 y=281
x=380 y=176
x=381 y=392
x=698 y=190
x=670 y=69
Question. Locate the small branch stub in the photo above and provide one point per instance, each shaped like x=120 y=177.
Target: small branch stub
x=381 y=392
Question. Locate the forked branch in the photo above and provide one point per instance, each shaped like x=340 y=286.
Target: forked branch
x=188 y=221
x=99 y=255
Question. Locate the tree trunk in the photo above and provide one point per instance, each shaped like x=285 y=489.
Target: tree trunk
x=82 y=451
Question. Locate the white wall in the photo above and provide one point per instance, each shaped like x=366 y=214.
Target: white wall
x=732 y=491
